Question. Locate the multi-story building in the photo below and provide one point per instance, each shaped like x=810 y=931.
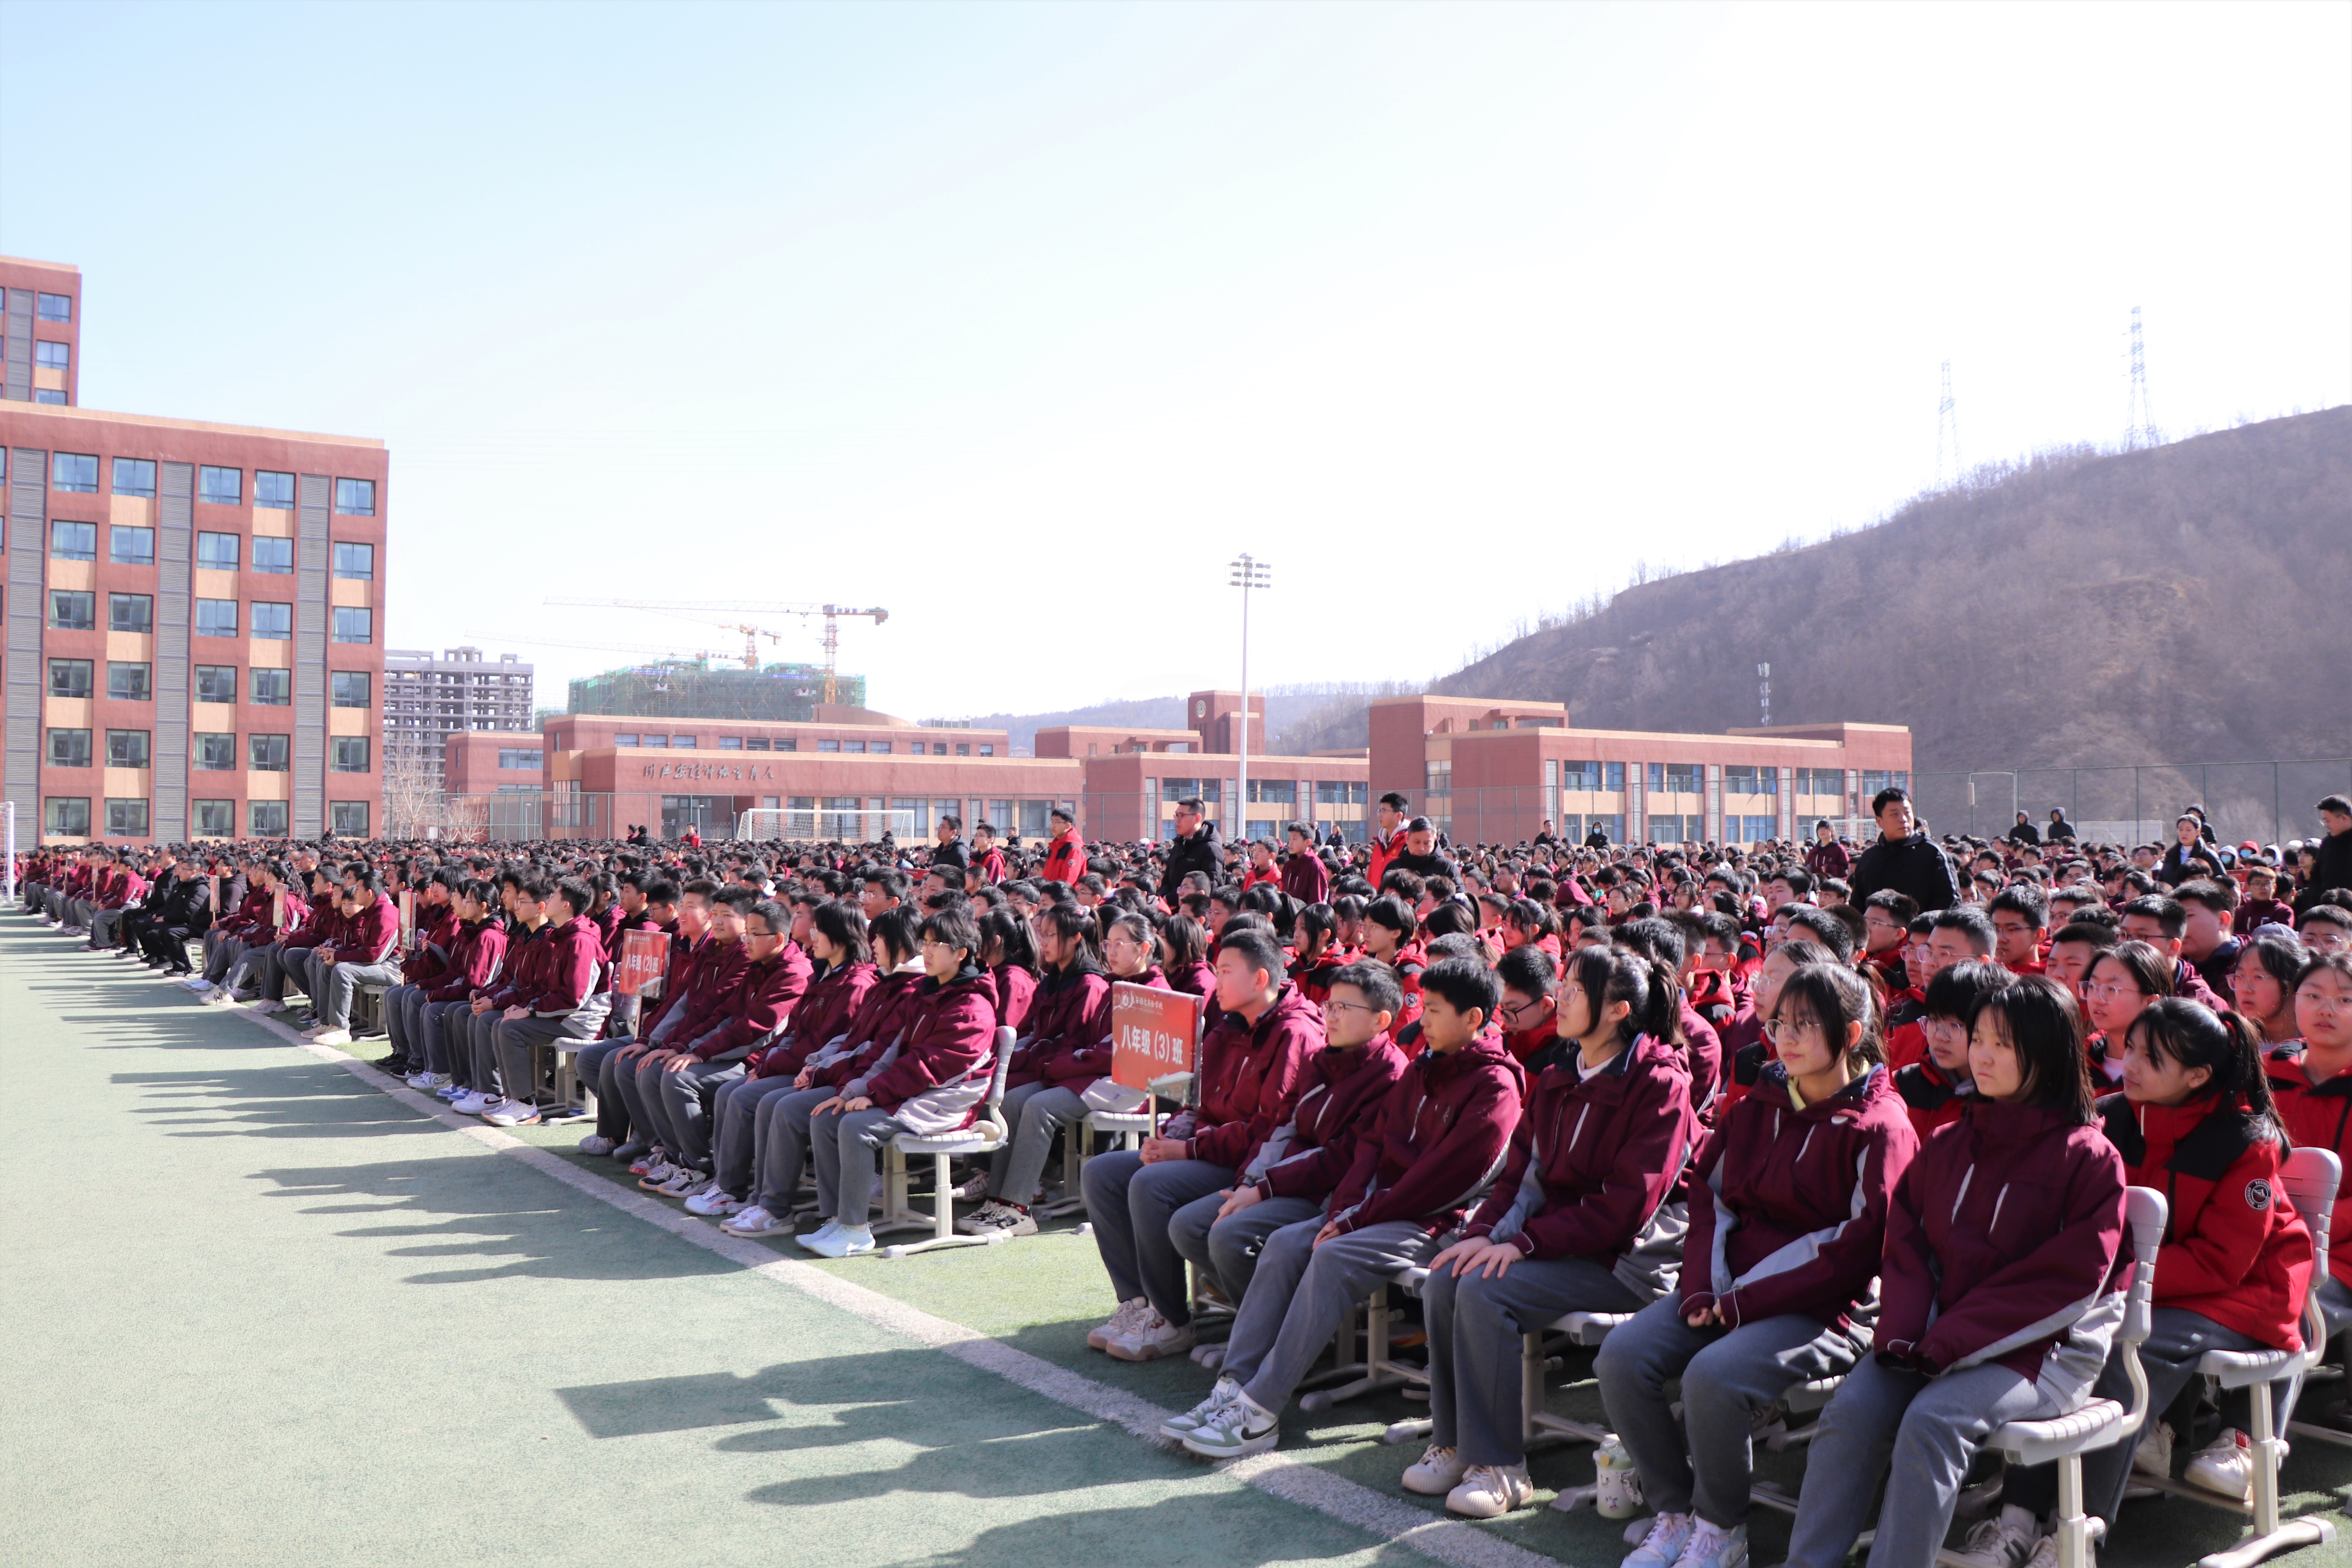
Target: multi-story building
x=428 y=700
x=699 y=689
x=193 y=621
x=41 y=360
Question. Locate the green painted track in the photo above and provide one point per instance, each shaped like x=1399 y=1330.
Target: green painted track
x=258 y=1312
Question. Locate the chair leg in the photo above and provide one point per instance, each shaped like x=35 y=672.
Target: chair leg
x=2271 y=1535
x=1531 y=1387
x=2074 y=1530
x=943 y=1200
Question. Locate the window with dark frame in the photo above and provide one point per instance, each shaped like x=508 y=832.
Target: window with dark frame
x=266 y=818
x=127 y=545
x=66 y=816
x=215 y=752
x=130 y=612
x=354 y=624
x=270 y=687
x=130 y=682
x=350 y=754
x=215 y=683
x=356 y=498
x=134 y=477
x=73 y=541
x=216 y=617
x=273 y=554
x=74 y=471
x=274 y=490
x=69 y=677
x=127 y=748
x=217 y=551
x=273 y=619
x=68 y=748
x=354 y=561
x=220 y=486
x=266 y=753
x=351 y=688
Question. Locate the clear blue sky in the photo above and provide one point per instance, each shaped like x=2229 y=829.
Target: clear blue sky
x=1021 y=319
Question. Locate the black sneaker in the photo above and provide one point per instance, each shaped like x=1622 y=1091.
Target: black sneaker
x=1001 y=1221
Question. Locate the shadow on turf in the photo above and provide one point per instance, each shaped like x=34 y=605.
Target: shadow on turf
x=1222 y=1529
x=295 y=1101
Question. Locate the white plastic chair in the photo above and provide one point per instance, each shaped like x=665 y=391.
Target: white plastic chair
x=984 y=1136
x=1128 y=1127
x=2310 y=1177
x=1378 y=1370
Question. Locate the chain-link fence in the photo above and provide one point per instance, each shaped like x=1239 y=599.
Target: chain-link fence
x=2269 y=803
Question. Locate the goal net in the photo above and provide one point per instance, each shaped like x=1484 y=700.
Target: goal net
x=822 y=824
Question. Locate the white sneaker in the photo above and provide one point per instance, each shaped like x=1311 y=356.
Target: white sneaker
x=198 y=983
x=685 y=1183
x=1438 y=1471
x=824 y=1232
x=845 y=1241
x=1712 y=1546
x=473 y=1102
x=1129 y=1313
x=713 y=1202
x=511 y=1114
x=1490 y=1491
x=594 y=1144
x=434 y=1081
x=1150 y=1338
x=2154 y=1455
x=326 y=1036
x=657 y=1174
x=1662 y=1547
x=1241 y=1426
x=451 y=1092
x=754 y=1221
x=2005 y=1542
x=1201 y=1415
x=2225 y=1466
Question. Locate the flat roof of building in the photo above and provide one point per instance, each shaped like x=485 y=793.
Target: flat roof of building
x=67 y=411
x=45 y=266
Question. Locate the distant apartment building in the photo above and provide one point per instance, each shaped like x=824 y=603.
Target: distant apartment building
x=428 y=700
x=193 y=613
x=40 y=361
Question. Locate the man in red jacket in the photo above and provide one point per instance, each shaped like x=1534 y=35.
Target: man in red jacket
x=569 y=1003
x=1249 y=1073
x=1431 y=1153
x=363 y=955
x=1066 y=857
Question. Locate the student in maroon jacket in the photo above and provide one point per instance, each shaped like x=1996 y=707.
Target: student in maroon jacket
x=2002 y=1284
x=567 y=1002
x=776 y=975
x=1584 y=1218
x=1251 y=1070
x=2194 y=1122
x=1008 y=956
x=529 y=944
x=1066 y=857
x=1431 y=1153
x=365 y=954
x=834 y=931
x=711 y=990
x=424 y=965
x=935 y=1084
x=2161 y=922
x=1787 y=1214
x=477 y=953
x=1936 y=1090
x=1069 y=1014
x=1295 y=1170
x=1303 y=875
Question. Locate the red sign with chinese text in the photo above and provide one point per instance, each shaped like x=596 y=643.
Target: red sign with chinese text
x=1154 y=1034
x=644 y=954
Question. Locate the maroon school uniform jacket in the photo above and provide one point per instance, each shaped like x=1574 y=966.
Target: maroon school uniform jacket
x=371 y=936
x=1014 y=990
x=678 y=977
x=874 y=1033
x=1932 y=1099
x=571 y=968
x=1078 y=1064
x=1306 y=879
x=823 y=1014
x=429 y=965
x=2235 y=1248
x=763 y=999
x=1436 y=1141
x=1070 y=1010
x=2187 y=982
x=1595 y=1163
x=1705 y=1047
x=2315 y=1115
x=476 y=953
x=527 y=966
x=2005 y=1244
x=2255 y=913
x=718 y=974
x=1339 y=1093
x=947 y=1049
x=317 y=925
x=1249 y=1077
x=1787 y=1209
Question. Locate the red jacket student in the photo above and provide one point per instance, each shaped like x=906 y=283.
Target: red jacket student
x=1342 y=1089
x=764 y=998
x=370 y=936
x=718 y=975
x=823 y=1013
x=1069 y=1012
x=948 y=1044
x=1305 y=877
x=1066 y=857
x=1436 y=1141
x=875 y=1031
x=1248 y=1079
x=477 y=951
x=430 y=962
x=2316 y=1115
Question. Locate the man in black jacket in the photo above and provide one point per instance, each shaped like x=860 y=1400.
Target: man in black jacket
x=186 y=912
x=1903 y=860
x=2333 y=869
x=1197 y=847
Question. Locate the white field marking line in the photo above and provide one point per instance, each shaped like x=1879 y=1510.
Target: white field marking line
x=1276 y=1474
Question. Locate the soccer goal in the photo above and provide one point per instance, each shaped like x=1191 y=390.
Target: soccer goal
x=822 y=824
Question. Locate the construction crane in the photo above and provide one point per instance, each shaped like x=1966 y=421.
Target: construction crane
x=704 y=611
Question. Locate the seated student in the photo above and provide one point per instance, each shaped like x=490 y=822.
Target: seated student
x=2195 y=1122
x=818 y=1070
x=1320 y=954
x=1584 y=1218
x=1430 y=1153
x=1528 y=1012
x=2074 y=950
x=2327 y=928
x=690 y=947
x=834 y=934
x=564 y=1003
x=642 y=902
x=1936 y=1089
x=424 y=964
x=1745 y=1069
x=244 y=911
x=476 y=1085
x=2001 y=1286
x=776 y=977
x=477 y=950
x=1252 y=1066
x=188 y=911
x=1660 y=940
x=2122 y=981
x=1780 y=1269
x=1068 y=1015
x=1393 y=936
x=2311 y=1090
x=1009 y=955
x=2263 y=981
x=284 y=953
x=1297 y=1167
x=2162 y=923
x=716 y=979
x=364 y=953
x=935 y=1084
x=1956 y=935
x=2020 y=916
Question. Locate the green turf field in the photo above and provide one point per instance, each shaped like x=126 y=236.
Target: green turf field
x=261 y=1311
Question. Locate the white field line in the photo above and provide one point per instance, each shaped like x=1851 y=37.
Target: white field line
x=1276 y=1474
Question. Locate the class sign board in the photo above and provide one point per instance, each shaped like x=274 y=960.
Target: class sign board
x=644 y=955
x=1154 y=1034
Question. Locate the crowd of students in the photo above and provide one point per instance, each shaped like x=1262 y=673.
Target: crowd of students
x=1794 y=1112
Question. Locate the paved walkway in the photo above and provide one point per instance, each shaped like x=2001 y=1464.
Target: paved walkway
x=261 y=1311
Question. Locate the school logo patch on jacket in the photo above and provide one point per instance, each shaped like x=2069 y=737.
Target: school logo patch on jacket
x=2258 y=1193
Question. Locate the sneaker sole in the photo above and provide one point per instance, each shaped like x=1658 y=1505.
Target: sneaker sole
x=1241 y=1450
x=1145 y=1352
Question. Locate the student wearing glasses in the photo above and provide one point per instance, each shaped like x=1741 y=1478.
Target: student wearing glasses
x=2123 y=981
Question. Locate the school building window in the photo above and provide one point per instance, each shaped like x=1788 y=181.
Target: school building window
x=126 y=749
x=1751 y=781
x=828 y=745
x=273 y=554
x=350 y=756
x=220 y=486
x=355 y=561
x=54 y=307
x=53 y=356
x=134 y=477
x=272 y=688
x=215 y=818
x=348 y=818
x=129 y=546
x=65 y=815
x=266 y=753
x=272 y=619
x=351 y=688
x=69 y=677
x=77 y=472
x=73 y=541
x=215 y=683
x=215 y=753
x=72 y=610
x=130 y=612
x=68 y=748
x=216 y=552
x=272 y=489
x=130 y=682
x=356 y=498
x=354 y=624
x=266 y=818
x=518 y=758
x=1678 y=778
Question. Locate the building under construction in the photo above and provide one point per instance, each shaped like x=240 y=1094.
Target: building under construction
x=696 y=689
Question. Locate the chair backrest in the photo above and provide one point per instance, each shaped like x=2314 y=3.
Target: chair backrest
x=2143 y=1213
x=2310 y=1177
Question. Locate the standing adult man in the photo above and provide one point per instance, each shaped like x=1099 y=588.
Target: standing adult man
x=1903 y=858
x=1197 y=849
x=1066 y=855
x=2333 y=866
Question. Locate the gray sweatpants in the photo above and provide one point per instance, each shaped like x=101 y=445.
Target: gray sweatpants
x=1226 y=1250
x=780 y=1147
x=735 y=1122
x=339 y=983
x=399 y=1019
x=1037 y=1112
x=514 y=1037
x=624 y=1069
x=221 y=950
x=1928 y=1429
x=1476 y=1324
x=846 y=1145
x=1728 y=1375
x=104 y=925
x=685 y=1102
x=1129 y=1203
x=482 y=1050
x=444 y=1029
x=1304 y=1292
x=612 y=1110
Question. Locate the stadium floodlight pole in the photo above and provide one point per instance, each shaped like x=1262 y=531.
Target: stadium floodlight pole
x=1248 y=572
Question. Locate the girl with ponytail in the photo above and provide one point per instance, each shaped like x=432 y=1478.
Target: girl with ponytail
x=2195 y=1122
x=1585 y=1217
